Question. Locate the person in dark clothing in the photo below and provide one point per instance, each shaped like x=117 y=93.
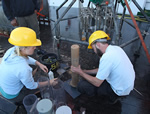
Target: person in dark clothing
x=23 y=13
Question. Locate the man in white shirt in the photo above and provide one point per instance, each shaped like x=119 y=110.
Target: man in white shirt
x=115 y=75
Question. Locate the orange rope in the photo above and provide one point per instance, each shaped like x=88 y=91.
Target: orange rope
x=4 y=35
x=39 y=14
x=138 y=31
x=41 y=8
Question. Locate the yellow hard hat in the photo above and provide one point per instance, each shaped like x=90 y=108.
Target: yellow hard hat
x=23 y=36
x=97 y=35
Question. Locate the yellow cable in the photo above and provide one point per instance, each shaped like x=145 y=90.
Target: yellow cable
x=137 y=18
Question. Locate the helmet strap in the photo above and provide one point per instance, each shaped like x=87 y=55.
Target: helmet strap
x=101 y=40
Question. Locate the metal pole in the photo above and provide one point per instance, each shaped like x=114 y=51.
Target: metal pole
x=115 y=22
x=116 y=4
x=138 y=92
x=138 y=31
x=64 y=13
x=69 y=18
x=129 y=42
x=138 y=6
x=57 y=30
x=59 y=8
x=129 y=24
x=74 y=41
x=122 y=18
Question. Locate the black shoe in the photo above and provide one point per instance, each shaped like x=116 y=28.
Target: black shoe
x=41 y=52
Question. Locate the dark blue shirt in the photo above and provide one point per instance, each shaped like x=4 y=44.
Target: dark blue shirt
x=19 y=8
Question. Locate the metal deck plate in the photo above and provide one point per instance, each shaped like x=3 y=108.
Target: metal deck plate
x=72 y=91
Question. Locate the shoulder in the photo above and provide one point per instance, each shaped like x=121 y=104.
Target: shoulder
x=113 y=50
x=23 y=68
x=110 y=55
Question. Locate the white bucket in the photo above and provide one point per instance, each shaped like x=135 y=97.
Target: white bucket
x=45 y=106
x=64 y=110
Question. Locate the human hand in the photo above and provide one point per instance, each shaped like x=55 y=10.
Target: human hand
x=76 y=69
x=53 y=81
x=14 y=22
x=44 y=68
x=35 y=11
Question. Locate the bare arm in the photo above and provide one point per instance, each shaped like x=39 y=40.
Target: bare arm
x=93 y=71
x=41 y=84
x=93 y=80
x=43 y=67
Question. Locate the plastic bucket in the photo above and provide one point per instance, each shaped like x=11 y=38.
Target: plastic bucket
x=28 y=101
x=50 y=60
x=45 y=106
x=64 y=110
x=46 y=90
x=58 y=93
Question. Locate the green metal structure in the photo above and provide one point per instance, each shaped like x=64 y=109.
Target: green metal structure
x=96 y=1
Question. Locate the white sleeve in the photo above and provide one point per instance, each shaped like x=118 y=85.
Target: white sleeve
x=105 y=67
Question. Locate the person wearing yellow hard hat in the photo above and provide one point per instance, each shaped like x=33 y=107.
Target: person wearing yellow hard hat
x=114 y=77
x=16 y=78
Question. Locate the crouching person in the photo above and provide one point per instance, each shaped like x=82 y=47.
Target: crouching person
x=115 y=75
x=16 y=78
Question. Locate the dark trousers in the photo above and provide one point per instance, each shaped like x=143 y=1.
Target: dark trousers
x=30 y=21
x=105 y=89
x=22 y=94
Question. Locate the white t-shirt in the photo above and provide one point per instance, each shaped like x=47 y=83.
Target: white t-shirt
x=116 y=68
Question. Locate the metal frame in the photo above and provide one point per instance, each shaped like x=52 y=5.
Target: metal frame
x=113 y=23
x=136 y=27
